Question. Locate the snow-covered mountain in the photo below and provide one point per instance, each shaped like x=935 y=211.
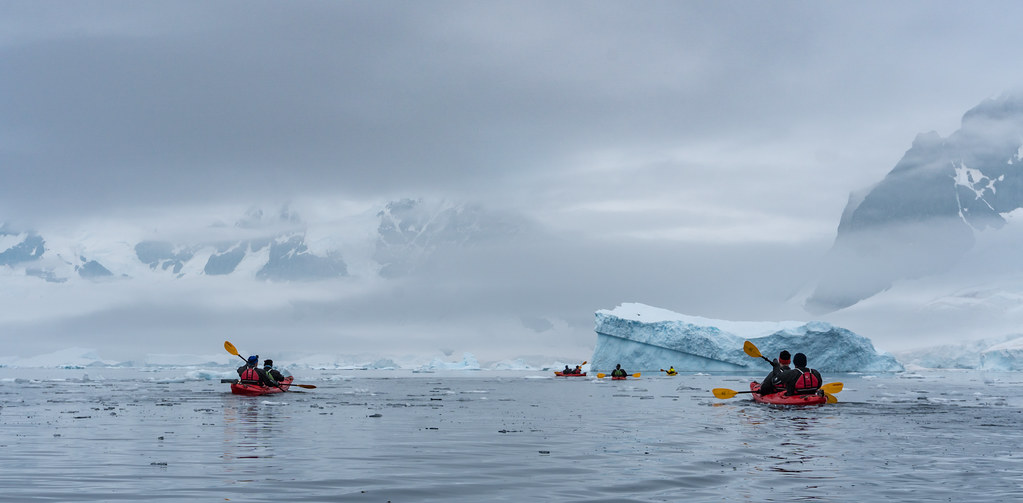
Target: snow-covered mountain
x=276 y=246
x=925 y=216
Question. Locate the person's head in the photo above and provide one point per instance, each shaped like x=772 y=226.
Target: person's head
x=799 y=360
x=784 y=357
x=253 y=360
x=618 y=366
x=268 y=363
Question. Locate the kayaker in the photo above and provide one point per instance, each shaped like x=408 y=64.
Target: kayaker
x=671 y=370
x=250 y=373
x=618 y=371
x=567 y=370
x=801 y=380
x=780 y=365
x=578 y=370
x=268 y=367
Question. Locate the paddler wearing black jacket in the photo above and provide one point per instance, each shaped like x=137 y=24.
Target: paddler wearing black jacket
x=772 y=383
x=250 y=373
x=268 y=367
x=801 y=380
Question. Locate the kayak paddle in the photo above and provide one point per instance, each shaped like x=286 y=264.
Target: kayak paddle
x=233 y=350
x=750 y=349
x=601 y=376
x=724 y=393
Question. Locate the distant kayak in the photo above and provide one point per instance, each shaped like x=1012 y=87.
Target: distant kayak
x=562 y=374
x=256 y=389
x=780 y=398
x=619 y=378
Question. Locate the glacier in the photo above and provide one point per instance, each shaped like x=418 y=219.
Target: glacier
x=645 y=338
x=995 y=354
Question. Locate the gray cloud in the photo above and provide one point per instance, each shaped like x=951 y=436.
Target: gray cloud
x=672 y=146
x=192 y=101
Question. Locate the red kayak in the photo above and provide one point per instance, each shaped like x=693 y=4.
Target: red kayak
x=619 y=378
x=258 y=389
x=562 y=374
x=780 y=398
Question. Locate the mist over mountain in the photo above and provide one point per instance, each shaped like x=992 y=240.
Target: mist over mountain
x=274 y=247
x=925 y=216
x=412 y=230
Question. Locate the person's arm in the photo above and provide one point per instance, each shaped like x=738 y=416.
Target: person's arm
x=788 y=380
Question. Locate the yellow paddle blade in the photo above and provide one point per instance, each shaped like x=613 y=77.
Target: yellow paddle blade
x=831 y=398
x=230 y=348
x=636 y=374
x=751 y=349
x=583 y=363
x=724 y=393
x=832 y=387
x=601 y=376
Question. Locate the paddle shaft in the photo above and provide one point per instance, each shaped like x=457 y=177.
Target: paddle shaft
x=306 y=386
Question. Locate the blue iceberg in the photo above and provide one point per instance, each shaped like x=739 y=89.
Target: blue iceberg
x=645 y=338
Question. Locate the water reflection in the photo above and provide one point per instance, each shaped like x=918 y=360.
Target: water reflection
x=799 y=450
x=248 y=429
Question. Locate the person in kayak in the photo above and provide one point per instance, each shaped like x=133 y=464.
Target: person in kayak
x=801 y=380
x=772 y=383
x=268 y=367
x=671 y=370
x=618 y=371
x=578 y=370
x=250 y=373
x=567 y=370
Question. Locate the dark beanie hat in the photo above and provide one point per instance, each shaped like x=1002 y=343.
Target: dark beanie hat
x=268 y=363
x=799 y=360
x=784 y=357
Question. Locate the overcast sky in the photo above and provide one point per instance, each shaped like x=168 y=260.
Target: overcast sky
x=714 y=143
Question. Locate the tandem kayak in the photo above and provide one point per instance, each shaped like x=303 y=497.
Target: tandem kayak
x=562 y=374
x=780 y=398
x=257 y=389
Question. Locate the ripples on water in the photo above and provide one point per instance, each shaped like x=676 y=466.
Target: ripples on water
x=381 y=436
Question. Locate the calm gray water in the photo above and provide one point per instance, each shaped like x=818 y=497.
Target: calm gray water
x=378 y=436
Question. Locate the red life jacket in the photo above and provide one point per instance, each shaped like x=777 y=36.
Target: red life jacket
x=249 y=374
x=807 y=380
